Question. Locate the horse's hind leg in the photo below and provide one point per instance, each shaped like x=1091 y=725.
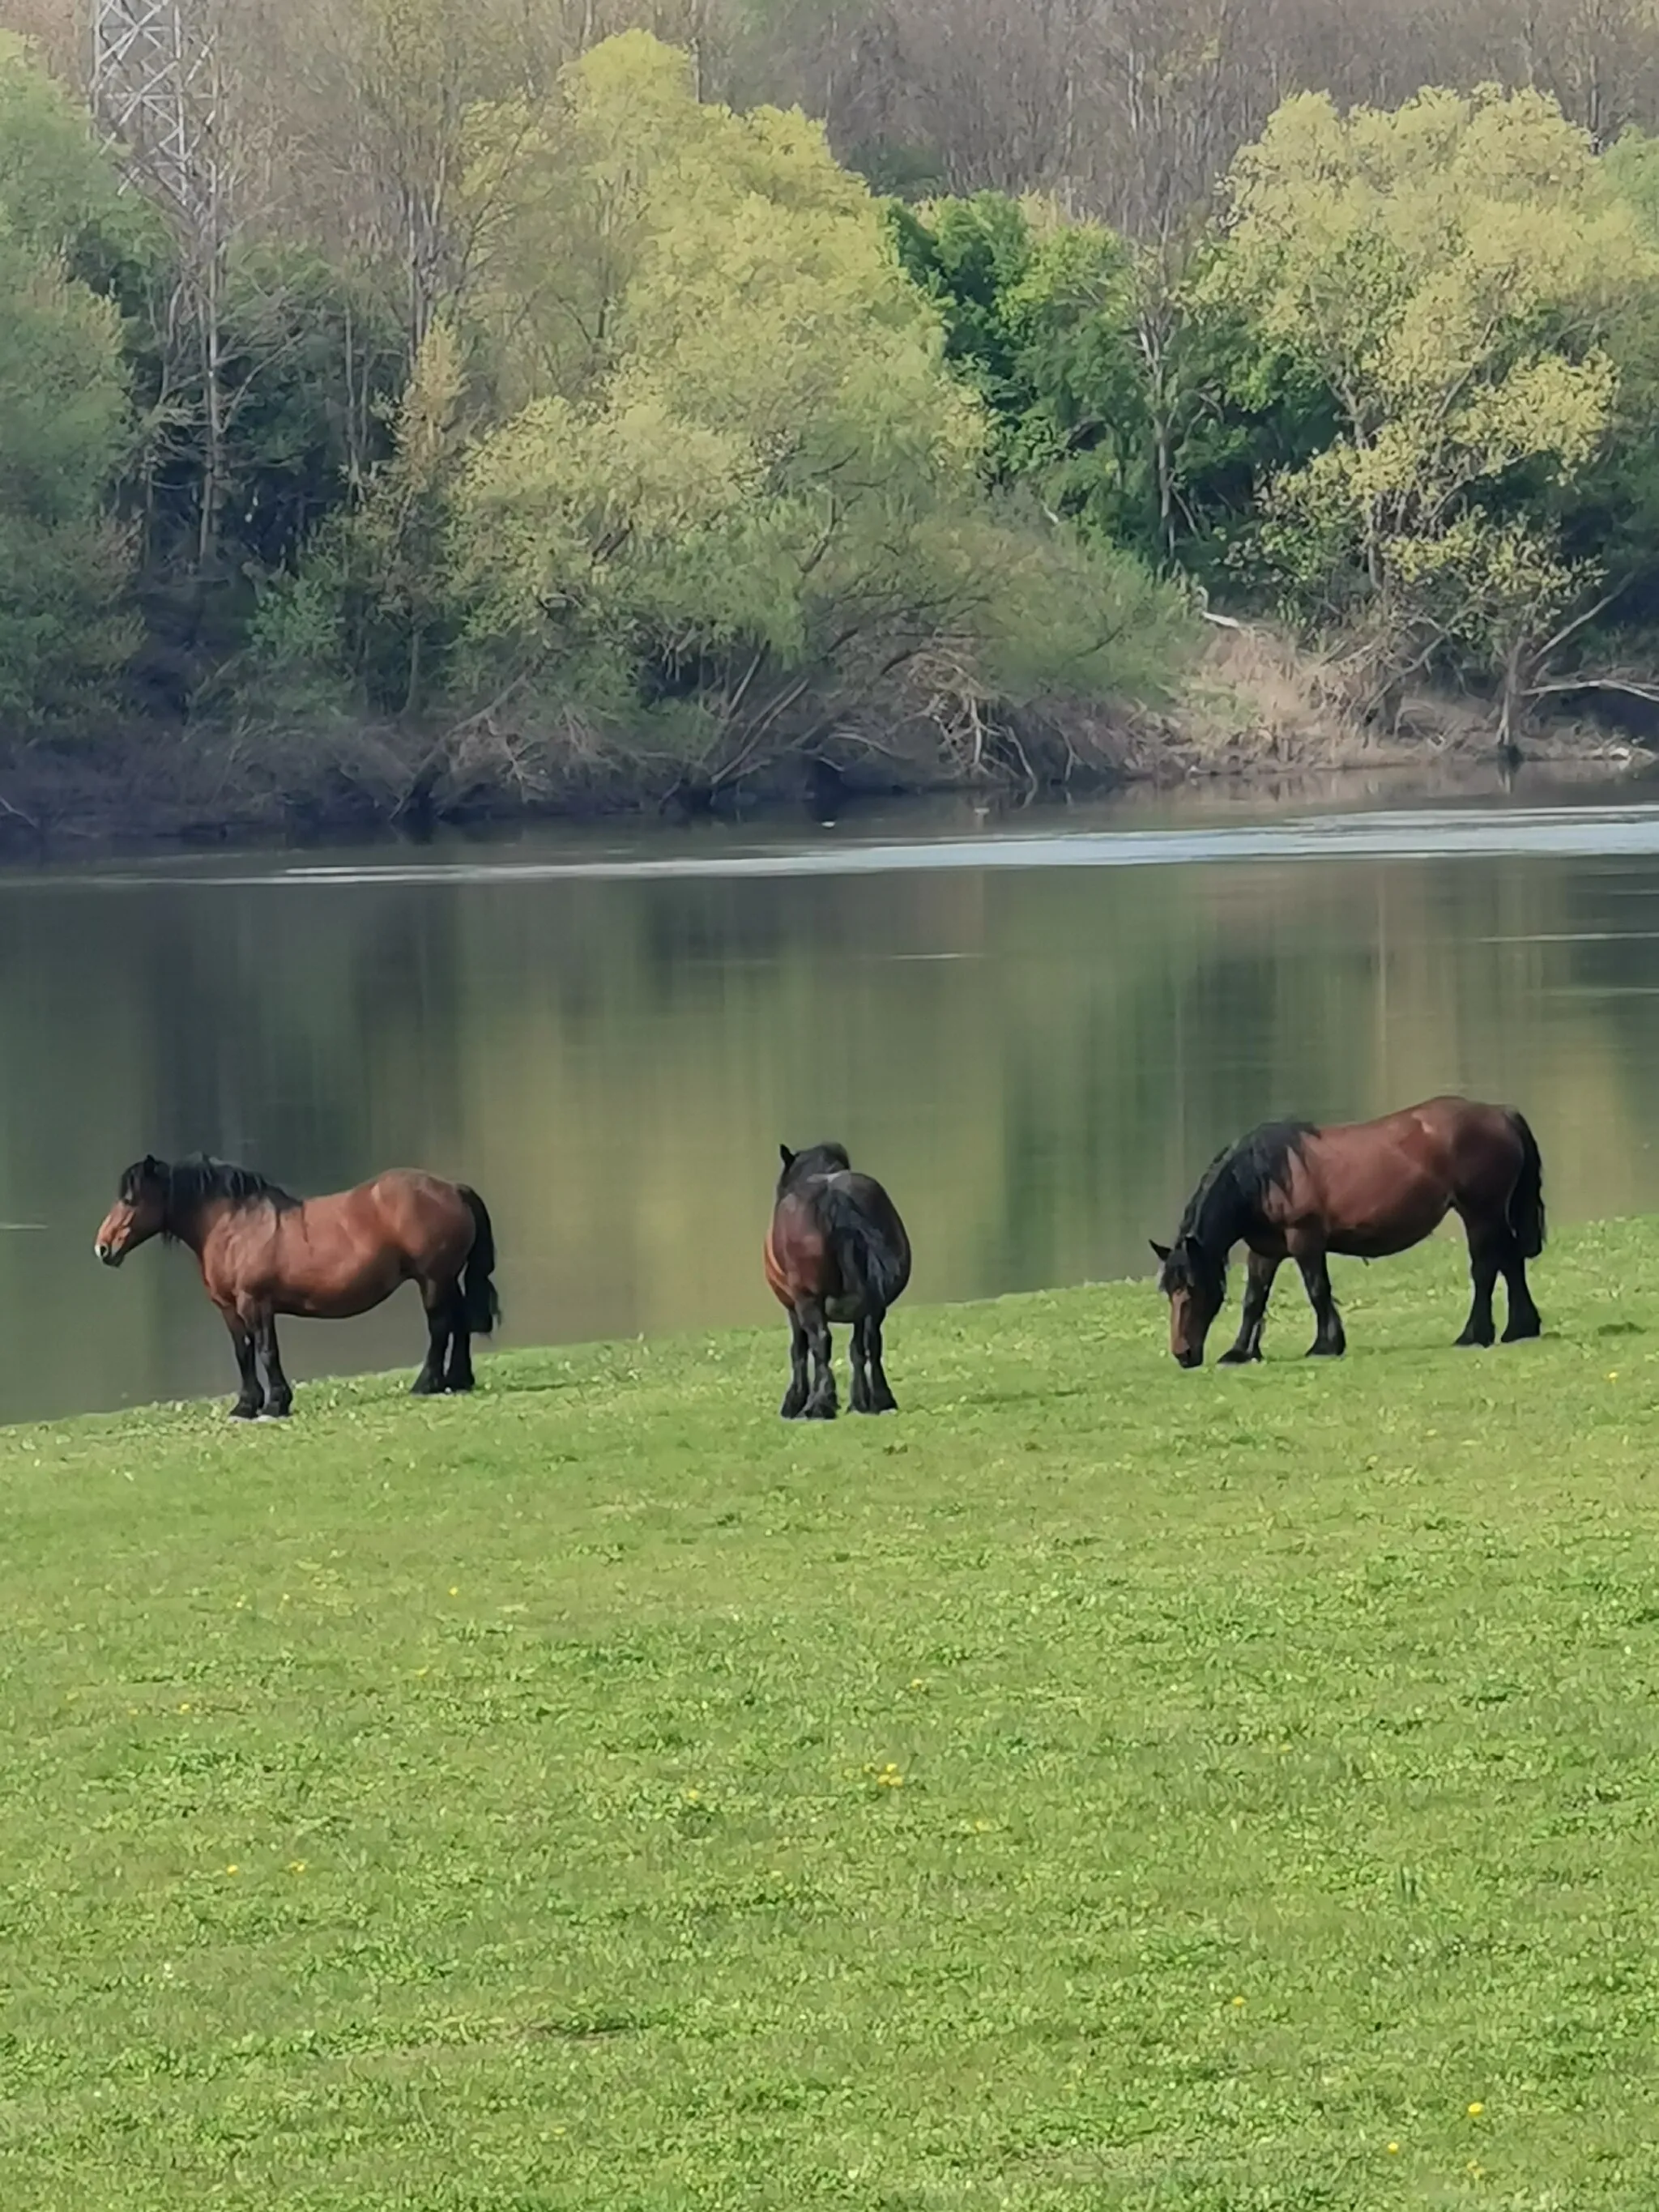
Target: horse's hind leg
x=1525 y=1320
x=821 y=1399
x=1487 y=1250
x=1258 y=1289
x=880 y=1399
x=440 y=1321
x=457 y=1374
x=794 y=1398
x=858 y=1359
x=1330 y=1339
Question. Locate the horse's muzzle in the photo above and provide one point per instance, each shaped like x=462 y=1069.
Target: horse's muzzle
x=1190 y=1358
x=108 y=1253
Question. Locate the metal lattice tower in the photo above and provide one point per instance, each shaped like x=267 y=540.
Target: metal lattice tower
x=155 y=89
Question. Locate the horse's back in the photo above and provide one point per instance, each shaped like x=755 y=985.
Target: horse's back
x=839 y=1240
x=421 y=1218
x=1380 y=1187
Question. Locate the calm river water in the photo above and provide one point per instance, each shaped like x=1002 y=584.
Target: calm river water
x=1037 y=1030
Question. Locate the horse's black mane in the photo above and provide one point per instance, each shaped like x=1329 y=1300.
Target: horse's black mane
x=1231 y=1188
x=192 y=1182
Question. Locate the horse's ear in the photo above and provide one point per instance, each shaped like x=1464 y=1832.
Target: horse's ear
x=785 y=1156
x=1162 y=1250
x=152 y=1165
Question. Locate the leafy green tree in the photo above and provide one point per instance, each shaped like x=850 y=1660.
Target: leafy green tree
x=1452 y=271
x=65 y=432
x=1133 y=404
x=66 y=421
x=742 y=485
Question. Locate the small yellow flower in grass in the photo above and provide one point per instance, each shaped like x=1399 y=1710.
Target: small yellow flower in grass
x=1614 y=1377
x=1394 y=2150
x=1476 y=2168
x=918 y=1683
x=890 y=1777
x=233 y=1869
x=1238 y=2001
x=694 y=1796
x=454 y=1589
x=185 y=1708
x=1475 y=2110
x=296 y=1866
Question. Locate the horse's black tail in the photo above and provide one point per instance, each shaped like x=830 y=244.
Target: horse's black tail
x=871 y=1261
x=1526 y=1208
x=479 y=1303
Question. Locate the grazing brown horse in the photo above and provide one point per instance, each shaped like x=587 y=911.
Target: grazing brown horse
x=836 y=1250
x=1365 y=1188
x=264 y=1253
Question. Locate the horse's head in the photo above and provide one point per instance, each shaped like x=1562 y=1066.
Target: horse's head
x=816 y=1160
x=139 y=1211
x=1195 y=1286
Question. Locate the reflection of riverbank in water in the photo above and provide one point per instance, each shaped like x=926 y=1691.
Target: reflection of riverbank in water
x=67 y=810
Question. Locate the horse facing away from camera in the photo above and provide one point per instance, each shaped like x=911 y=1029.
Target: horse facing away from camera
x=1289 y=1190
x=837 y=1251
x=262 y=1252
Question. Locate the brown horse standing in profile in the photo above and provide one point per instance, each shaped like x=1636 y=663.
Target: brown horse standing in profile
x=262 y=1252
x=1365 y=1188
x=836 y=1250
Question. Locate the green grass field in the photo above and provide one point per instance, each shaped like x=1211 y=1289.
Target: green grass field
x=1099 y=1786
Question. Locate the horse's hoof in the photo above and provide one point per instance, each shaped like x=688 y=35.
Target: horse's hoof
x=1327 y=1351
x=275 y=1412
x=424 y=1387
x=1525 y=1333
x=243 y=1414
x=819 y=1414
x=1237 y=1358
x=459 y=1389
x=1467 y=1342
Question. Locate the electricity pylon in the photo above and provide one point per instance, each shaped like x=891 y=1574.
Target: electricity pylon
x=155 y=89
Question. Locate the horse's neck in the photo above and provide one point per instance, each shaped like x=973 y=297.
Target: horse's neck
x=194 y=1226
x=1224 y=1218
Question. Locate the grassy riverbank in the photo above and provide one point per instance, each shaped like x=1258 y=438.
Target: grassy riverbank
x=1099 y=1784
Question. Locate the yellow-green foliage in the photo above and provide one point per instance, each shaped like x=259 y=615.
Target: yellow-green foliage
x=728 y=425
x=1455 y=270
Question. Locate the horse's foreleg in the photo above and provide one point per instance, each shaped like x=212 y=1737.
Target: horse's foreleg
x=821 y=1399
x=440 y=1325
x=880 y=1399
x=1330 y=1339
x=251 y=1397
x=279 y=1391
x=1258 y=1289
x=794 y=1398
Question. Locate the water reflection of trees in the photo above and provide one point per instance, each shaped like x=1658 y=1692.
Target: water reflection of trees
x=1039 y=1061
